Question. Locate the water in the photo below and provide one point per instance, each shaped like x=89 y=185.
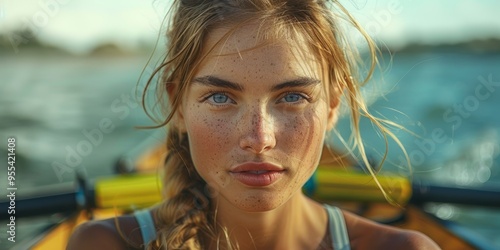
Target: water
x=450 y=101
x=55 y=104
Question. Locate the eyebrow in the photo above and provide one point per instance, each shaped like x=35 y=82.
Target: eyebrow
x=217 y=82
x=299 y=82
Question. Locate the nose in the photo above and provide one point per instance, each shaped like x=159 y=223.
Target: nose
x=259 y=132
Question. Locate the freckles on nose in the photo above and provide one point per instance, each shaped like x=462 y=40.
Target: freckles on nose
x=261 y=125
x=259 y=133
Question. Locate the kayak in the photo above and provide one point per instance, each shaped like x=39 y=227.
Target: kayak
x=120 y=195
x=414 y=219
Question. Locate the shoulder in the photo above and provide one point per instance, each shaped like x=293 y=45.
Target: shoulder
x=364 y=233
x=104 y=234
x=413 y=240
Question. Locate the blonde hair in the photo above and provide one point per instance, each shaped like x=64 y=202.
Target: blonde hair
x=184 y=217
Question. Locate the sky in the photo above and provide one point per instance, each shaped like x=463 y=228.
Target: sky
x=81 y=25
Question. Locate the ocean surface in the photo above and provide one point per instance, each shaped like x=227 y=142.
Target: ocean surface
x=73 y=114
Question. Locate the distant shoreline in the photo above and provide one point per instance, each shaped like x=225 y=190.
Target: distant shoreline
x=491 y=45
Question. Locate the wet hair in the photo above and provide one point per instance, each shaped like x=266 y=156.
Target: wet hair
x=184 y=218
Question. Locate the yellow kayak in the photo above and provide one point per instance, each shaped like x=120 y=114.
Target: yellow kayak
x=120 y=195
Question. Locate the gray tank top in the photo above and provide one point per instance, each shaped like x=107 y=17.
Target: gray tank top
x=336 y=223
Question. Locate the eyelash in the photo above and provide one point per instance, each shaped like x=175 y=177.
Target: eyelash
x=212 y=94
x=302 y=97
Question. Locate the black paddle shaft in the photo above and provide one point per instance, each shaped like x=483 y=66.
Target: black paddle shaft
x=49 y=204
x=476 y=197
x=43 y=204
x=64 y=202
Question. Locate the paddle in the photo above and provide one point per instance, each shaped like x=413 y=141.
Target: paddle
x=334 y=185
x=328 y=184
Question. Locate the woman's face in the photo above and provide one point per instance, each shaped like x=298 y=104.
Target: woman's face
x=256 y=119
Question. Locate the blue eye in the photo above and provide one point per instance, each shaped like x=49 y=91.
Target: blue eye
x=292 y=97
x=219 y=98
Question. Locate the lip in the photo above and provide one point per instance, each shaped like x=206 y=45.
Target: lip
x=255 y=166
x=257 y=174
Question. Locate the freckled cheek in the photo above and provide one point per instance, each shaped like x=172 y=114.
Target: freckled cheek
x=209 y=140
x=303 y=136
x=208 y=137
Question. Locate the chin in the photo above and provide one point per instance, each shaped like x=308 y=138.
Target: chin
x=259 y=202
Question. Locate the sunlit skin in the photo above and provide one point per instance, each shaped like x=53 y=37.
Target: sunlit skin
x=249 y=106
x=264 y=104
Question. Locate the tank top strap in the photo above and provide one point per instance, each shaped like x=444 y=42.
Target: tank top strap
x=338 y=229
x=146 y=225
x=336 y=222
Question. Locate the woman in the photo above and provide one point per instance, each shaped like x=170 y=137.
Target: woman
x=253 y=87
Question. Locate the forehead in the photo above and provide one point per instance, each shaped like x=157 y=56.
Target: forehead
x=248 y=50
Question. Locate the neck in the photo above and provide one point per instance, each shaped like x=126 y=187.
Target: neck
x=298 y=222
